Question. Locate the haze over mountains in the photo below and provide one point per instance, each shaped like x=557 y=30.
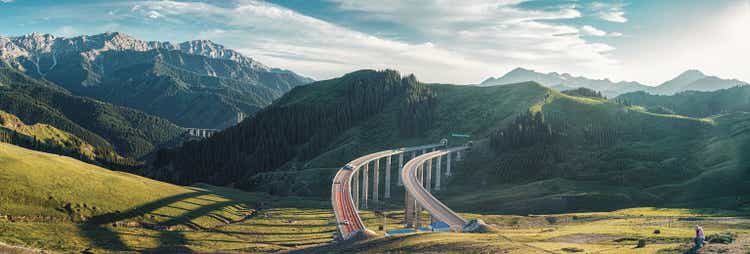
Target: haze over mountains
x=691 y=80
x=193 y=84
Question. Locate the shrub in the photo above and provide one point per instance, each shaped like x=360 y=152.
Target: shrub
x=657 y=231
x=572 y=249
x=551 y=220
x=641 y=243
x=725 y=238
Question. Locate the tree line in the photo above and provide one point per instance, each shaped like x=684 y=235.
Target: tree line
x=297 y=127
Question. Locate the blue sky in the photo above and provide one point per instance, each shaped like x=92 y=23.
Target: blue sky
x=438 y=40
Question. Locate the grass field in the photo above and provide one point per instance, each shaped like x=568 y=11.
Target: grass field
x=602 y=232
x=55 y=203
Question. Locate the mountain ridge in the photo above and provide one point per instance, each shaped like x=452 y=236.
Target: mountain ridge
x=565 y=81
x=111 y=129
x=193 y=84
x=689 y=80
x=694 y=80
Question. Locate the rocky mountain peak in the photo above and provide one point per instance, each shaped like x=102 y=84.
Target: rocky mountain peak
x=35 y=45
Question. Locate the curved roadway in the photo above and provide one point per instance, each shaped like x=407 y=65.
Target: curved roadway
x=414 y=186
x=348 y=220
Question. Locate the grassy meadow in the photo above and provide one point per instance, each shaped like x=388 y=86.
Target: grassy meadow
x=54 y=203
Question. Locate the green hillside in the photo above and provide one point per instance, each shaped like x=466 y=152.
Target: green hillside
x=606 y=156
x=596 y=154
x=110 y=129
x=15 y=131
x=693 y=103
x=57 y=203
x=326 y=123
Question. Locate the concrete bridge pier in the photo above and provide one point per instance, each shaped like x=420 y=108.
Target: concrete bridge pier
x=418 y=209
x=400 y=169
x=365 y=186
x=410 y=205
x=388 y=177
x=376 y=181
x=355 y=189
x=437 y=173
x=428 y=176
x=448 y=165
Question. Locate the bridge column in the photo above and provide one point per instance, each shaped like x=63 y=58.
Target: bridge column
x=408 y=212
x=428 y=176
x=376 y=181
x=365 y=185
x=388 y=177
x=448 y=165
x=400 y=169
x=417 y=208
x=437 y=172
x=355 y=189
x=458 y=155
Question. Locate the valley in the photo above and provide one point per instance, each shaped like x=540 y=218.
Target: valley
x=340 y=126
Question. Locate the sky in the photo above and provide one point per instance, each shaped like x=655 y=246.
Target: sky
x=460 y=42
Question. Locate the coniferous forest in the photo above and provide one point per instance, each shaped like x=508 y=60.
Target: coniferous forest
x=299 y=126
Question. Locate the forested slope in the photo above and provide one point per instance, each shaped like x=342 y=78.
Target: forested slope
x=316 y=128
x=536 y=149
x=111 y=129
x=575 y=153
x=693 y=103
x=296 y=128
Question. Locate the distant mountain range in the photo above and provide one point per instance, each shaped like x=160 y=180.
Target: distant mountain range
x=694 y=80
x=194 y=83
x=687 y=81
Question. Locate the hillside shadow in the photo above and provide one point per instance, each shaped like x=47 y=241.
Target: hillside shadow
x=99 y=230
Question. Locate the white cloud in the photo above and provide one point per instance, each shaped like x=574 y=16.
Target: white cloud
x=6 y=1
x=612 y=12
x=152 y=14
x=593 y=31
x=498 y=34
x=461 y=43
x=613 y=16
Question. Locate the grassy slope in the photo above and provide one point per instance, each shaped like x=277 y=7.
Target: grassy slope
x=656 y=166
x=458 y=109
x=676 y=160
x=47 y=134
x=600 y=232
x=130 y=213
